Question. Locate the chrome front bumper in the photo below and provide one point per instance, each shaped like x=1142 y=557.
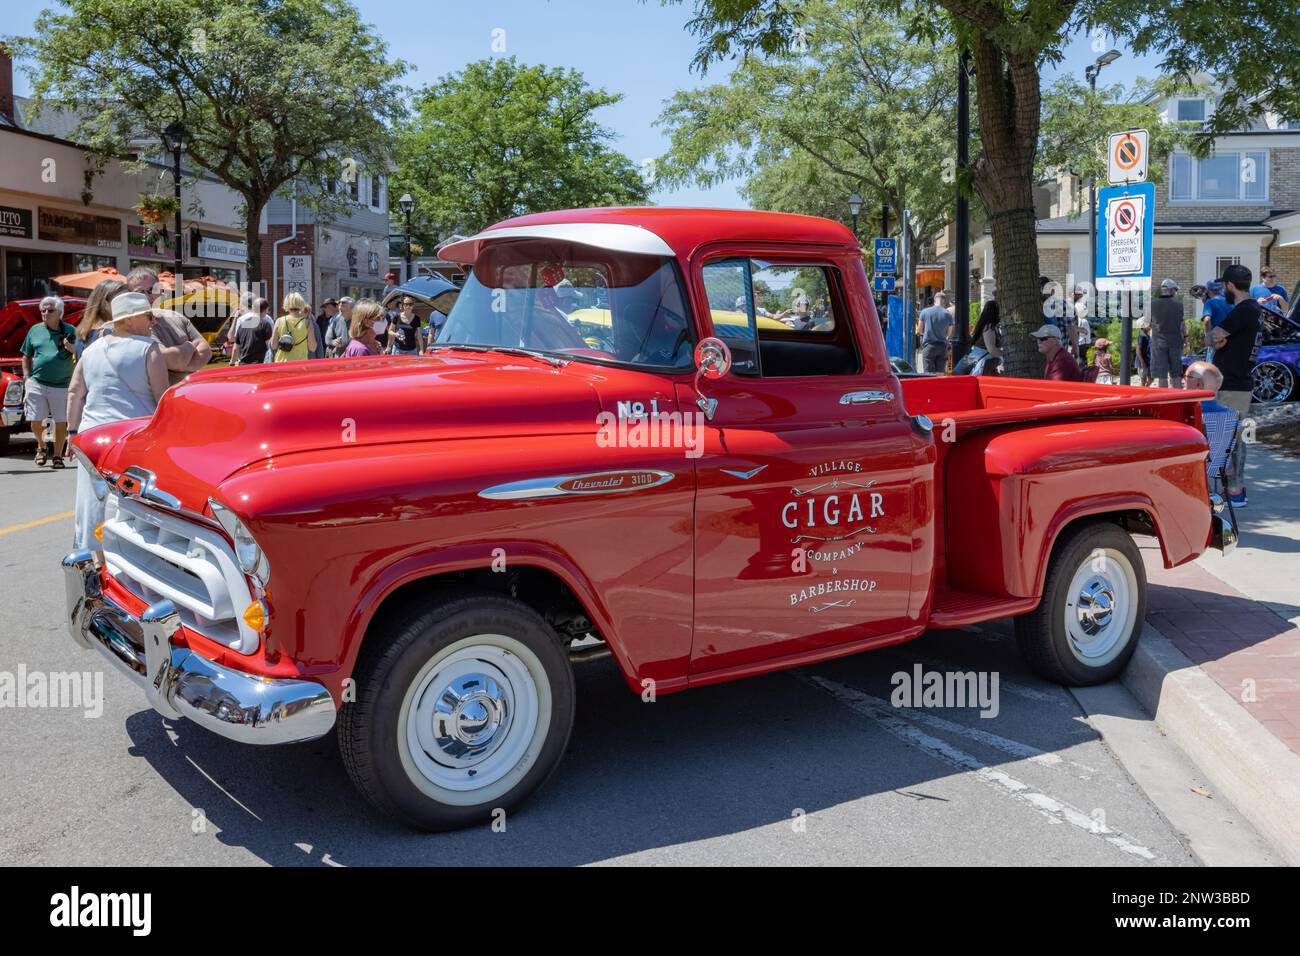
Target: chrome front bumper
x=1223 y=525
x=180 y=683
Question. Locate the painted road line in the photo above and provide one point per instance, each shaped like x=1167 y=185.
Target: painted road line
x=37 y=523
x=1057 y=811
x=1013 y=748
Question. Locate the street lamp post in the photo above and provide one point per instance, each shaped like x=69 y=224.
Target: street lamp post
x=855 y=207
x=961 y=239
x=176 y=136
x=407 y=204
x=1090 y=74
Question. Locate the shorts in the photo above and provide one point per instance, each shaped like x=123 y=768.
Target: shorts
x=45 y=401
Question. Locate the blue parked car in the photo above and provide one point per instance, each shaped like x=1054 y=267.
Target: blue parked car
x=1277 y=366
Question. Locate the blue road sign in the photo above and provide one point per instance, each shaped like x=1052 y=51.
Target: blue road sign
x=1125 y=229
x=883 y=283
x=886 y=256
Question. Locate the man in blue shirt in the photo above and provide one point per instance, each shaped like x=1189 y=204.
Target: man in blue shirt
x=1216 y=307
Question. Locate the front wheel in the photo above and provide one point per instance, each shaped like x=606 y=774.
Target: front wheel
x=1086 y=627
x=460 y=714
x=1271 y=383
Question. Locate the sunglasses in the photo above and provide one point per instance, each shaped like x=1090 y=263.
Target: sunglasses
x=48 y=309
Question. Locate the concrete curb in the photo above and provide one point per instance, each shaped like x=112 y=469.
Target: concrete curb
x=1246 y=764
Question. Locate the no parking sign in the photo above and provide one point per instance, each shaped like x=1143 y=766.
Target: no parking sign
x=1126 y=157
x=1125 y=229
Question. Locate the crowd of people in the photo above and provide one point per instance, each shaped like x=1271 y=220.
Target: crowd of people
x=1231 y=310
x=125 y=352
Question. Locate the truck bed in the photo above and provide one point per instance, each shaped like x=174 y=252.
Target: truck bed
x=983 y=493
x=977 y=400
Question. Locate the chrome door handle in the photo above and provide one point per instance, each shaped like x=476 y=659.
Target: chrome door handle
x=865 y=398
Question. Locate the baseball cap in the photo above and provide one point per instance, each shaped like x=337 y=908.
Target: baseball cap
x=1047 y=331
x=1169 y=284
x=1238 y=275
x=1214 y=285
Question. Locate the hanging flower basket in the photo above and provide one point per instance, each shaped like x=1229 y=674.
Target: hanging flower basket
x=155 y=211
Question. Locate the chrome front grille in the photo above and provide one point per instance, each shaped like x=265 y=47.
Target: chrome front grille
x=156 y=554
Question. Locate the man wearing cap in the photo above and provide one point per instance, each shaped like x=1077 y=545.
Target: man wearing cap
x=1216 y=307
x=336 y=336
x=1167 y=336
x=47 y=352
x=1235 y=341
x=390 y=283
x=1061 y=366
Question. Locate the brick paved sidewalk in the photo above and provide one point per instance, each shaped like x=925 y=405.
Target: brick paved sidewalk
x=1234 y=639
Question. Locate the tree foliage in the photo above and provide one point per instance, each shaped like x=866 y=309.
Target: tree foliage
x=1246 y=44
x=846 y=103
x=500 y=139
x=272 y=90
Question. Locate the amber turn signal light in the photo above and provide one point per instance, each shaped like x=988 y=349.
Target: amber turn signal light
x=255 y=615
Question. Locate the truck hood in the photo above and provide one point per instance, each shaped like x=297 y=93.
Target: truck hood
x=220 y=421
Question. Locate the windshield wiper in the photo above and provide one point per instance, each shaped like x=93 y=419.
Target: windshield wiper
x=509 y=350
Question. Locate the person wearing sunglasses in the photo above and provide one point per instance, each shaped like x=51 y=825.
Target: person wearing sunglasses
x=406 y=337
x=47 y=353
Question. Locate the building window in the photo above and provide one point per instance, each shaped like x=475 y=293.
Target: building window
x=1191 y=111
x=1220 y=177
x=354 y=188
x=376 y=193
x=1222 y=262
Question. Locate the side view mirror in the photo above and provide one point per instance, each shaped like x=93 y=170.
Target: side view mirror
x=712 y=358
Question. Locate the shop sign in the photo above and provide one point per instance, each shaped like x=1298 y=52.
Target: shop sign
x=82 y=228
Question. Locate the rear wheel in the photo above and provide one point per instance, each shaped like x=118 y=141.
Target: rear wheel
x=1271 y=383
x=465 y=710
x=1094 y=602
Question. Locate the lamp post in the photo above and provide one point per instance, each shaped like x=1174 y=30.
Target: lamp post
x=175 y=138
x=407 y=204
x=855 y=207
x=1090 y=74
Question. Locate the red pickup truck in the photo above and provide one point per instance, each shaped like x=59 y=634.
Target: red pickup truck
x=671 y=436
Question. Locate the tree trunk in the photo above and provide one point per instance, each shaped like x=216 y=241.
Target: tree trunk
x=1003 y=177
x=253 y=238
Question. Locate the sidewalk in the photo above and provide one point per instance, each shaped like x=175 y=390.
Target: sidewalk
x=1235 y=621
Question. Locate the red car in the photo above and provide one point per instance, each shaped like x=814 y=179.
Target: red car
x=671 y=436
x=16 y=318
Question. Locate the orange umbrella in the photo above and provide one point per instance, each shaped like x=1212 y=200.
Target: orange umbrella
x=88 y=280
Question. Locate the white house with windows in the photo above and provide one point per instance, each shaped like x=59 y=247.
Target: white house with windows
x=1241 y=204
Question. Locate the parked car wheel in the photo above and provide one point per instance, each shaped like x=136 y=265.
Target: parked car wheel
x=1271 y=383
x=464 y=711
x=1094 y=602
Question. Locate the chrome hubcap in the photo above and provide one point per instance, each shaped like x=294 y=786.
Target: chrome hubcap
x=1272 y=383
x=1095 y=605
x=469 y=718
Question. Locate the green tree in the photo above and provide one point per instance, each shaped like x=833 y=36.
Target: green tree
x=1076 y=121
x=499 y=139
x=848 y=103
x=271 y=90
x=1010 y=41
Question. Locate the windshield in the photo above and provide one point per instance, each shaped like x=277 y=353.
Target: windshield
x=575 y=301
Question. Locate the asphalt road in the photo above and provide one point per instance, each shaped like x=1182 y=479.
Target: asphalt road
x=805 y=767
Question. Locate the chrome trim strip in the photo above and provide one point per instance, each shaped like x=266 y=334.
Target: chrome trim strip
x=142 y=483
x=601 y=482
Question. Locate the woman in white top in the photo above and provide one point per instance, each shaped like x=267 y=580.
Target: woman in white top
x=122 y=374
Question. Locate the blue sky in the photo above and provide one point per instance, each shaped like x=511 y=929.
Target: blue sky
x=639 y=49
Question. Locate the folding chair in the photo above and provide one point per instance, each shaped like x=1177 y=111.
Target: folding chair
x=1222 y=429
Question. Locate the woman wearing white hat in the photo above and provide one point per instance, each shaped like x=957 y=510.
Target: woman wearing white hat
x=121 y=375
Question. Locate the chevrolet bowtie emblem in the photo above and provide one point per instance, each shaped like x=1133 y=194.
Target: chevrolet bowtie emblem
x=744 y=474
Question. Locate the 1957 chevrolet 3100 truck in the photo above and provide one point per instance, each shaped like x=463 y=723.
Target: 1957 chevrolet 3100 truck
x=612 y=440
